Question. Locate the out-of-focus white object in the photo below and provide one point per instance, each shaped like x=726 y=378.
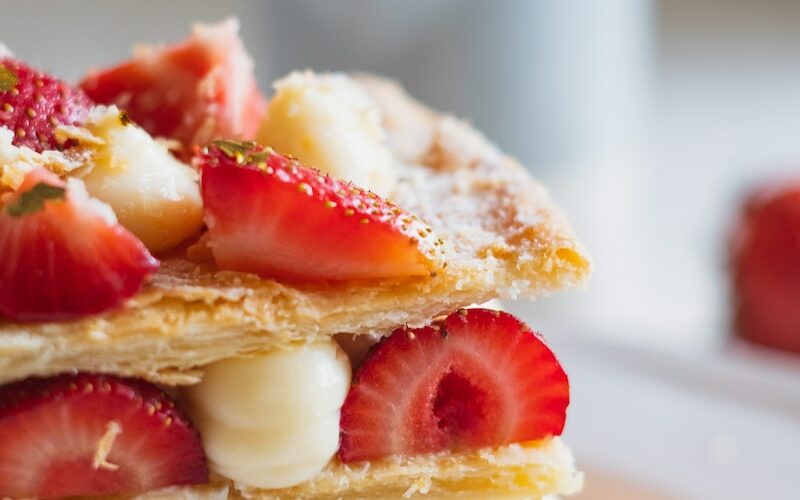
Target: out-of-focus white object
x=598 y=79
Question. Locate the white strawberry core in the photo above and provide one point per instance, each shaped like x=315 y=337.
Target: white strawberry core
x=78 y=195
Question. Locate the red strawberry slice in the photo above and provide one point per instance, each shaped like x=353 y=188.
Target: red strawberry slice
x=64 y=255
x=33 y=103
x=478 y=378
x=766 y=268
x=268 y=214
x=87 y=435
x=193 y=92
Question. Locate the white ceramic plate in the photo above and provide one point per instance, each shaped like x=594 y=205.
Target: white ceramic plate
x=646 y=425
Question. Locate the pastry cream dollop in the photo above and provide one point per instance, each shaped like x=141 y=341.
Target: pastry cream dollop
x=155 y=196
x=328 y=121
x=272 y=420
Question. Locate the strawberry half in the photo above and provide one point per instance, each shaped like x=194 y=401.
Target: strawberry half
x=33 y=104
x=270 y=215
x=88 y=435
x=765 y=259
x=192 y=92
x=64 y=255
x=478 y=378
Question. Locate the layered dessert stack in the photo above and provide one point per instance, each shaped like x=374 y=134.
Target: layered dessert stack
x=210 y=294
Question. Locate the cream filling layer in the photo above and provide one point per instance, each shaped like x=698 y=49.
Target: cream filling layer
x=272 y=420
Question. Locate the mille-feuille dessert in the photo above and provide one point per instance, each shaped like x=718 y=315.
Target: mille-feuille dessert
x=208 y=294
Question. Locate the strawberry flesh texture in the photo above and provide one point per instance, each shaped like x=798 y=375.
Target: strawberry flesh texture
x=36 y=104
x=192 y=92
x=766 y=269
x=289 y=222
x=51 y=429
x=64 y=260
x=479 y=378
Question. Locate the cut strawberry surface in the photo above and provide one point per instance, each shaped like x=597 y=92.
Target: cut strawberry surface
x=478 y=378
x=88 y=435
x=766 y=268
x=64 y=255
x=193 y=92
x=270 y=215
x=33 y=104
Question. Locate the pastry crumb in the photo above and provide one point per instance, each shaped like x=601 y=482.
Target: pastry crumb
x=100 y=461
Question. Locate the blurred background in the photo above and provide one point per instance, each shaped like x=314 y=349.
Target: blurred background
x=649 y=121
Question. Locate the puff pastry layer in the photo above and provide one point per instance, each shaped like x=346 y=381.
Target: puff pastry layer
x=529 y=470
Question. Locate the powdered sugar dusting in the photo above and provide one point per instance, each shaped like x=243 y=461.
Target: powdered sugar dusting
x=499 y=226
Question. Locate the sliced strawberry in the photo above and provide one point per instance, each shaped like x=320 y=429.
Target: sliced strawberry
x=88 y=435
x=766 y=268
x=193 y=92
x=64 y=255
x=33 y=103
x=478 y=378
x=270 y=215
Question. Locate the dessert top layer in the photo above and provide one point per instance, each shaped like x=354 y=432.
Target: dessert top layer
x=502 y=236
